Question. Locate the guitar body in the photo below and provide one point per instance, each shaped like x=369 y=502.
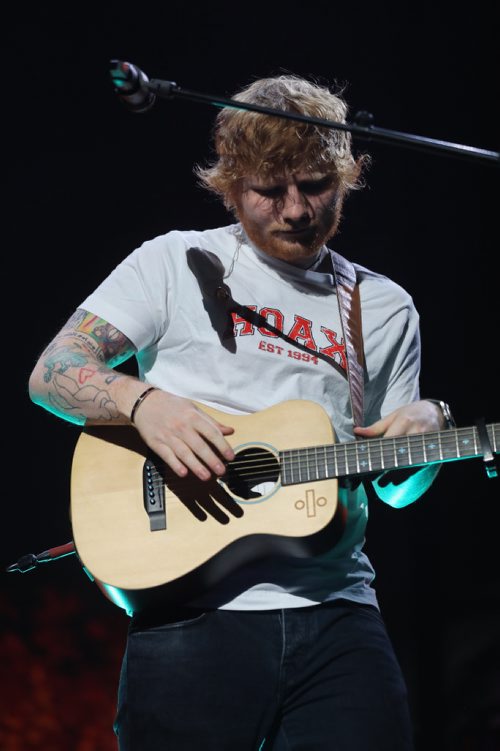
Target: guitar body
x=146 y=535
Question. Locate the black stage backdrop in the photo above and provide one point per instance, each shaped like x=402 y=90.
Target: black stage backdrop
x=86 y=182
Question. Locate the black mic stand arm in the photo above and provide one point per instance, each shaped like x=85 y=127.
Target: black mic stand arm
x=362 y=125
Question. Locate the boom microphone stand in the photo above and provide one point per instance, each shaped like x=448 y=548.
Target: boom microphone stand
x=139 y=94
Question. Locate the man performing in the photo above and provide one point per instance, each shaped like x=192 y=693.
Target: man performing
x=282 y=651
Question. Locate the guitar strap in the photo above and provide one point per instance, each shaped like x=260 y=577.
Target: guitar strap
x=349 y=302
x=219 y=303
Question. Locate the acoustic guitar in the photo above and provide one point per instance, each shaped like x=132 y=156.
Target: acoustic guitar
x=145 y=535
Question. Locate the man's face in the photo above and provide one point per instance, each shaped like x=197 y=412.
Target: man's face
x=291 y=216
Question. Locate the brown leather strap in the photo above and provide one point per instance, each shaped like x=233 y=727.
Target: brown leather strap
x=350 y=317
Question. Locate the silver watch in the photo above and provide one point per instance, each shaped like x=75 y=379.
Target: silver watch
x=445 y=409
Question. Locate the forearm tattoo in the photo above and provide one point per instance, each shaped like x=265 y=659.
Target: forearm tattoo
x=76 y=383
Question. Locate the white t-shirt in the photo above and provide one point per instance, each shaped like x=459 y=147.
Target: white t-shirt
x=155 y=299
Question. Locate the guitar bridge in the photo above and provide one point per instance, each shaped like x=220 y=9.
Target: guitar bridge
x=153 y=488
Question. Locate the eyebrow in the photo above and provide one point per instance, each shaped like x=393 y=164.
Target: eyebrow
x=313 y=182
x=316 y=181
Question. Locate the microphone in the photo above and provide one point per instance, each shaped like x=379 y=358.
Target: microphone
x=131 y=85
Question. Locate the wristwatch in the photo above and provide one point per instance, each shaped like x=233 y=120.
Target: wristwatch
x=445 y=409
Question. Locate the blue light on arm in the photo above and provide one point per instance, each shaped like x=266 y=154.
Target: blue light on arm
x=399 y=488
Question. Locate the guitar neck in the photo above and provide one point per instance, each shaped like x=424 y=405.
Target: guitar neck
x=376 y=455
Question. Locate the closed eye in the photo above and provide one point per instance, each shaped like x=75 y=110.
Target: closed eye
x=307 y=187
x=315 y=187
x=275 y=192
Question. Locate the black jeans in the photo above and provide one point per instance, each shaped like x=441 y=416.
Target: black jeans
x=308 y=679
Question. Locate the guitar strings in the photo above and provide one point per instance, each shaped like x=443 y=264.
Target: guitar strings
x=350 y=450
x=261 y=464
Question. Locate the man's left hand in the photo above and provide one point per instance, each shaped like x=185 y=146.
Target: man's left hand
x=417 y=417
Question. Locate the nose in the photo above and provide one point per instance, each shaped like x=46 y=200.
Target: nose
x=296 y=208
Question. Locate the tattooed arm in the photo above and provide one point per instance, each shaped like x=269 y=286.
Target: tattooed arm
x=74 y=377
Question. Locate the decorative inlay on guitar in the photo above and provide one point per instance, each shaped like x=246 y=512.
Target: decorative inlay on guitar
x=142 y=532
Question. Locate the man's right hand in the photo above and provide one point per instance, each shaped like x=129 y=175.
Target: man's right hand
x=183 y=436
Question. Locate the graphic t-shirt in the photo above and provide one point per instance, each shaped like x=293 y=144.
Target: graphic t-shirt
x=187 y=346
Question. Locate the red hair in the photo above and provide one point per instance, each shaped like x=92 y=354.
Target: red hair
x=251 y=143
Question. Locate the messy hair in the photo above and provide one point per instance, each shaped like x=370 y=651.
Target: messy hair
x=251 y=143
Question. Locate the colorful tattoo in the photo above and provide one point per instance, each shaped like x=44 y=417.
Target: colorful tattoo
x=61 y=359
x=70 y=367
x=111 y=342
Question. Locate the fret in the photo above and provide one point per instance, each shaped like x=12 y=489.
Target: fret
x=418 y=451
x=463 y=443
x=285 y=477
x=378 y=446
x=324 y=462
x=363 y=456
x=313 y=465
x=375 y=458
x=330 y=461
x=475 y=448
x=432 y=448
x=440 y=447
x=316 y=465
x=336 y=460
x=450 y=444
x=317 y=469
x=401 y=451
x=306 y=466
x=291 y=480
x=447 y=449
x=283 y=468
x=467 y=445
x=493 y=439
x=409 y=450
x=369 y=456
x=382 y=462
x=389 y=460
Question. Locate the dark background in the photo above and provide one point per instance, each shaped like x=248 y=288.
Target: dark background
x=86 y=181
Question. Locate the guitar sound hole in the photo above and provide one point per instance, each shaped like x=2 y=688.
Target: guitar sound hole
x=253 y=473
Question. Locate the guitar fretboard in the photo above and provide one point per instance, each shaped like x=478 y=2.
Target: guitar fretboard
x=376 y=455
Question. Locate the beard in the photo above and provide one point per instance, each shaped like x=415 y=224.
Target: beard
x=293 y=245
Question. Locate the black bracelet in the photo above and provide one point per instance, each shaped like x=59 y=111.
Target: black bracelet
x=139 y=401
x=445 y=409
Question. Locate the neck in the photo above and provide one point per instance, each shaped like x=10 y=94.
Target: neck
x=305 y=263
